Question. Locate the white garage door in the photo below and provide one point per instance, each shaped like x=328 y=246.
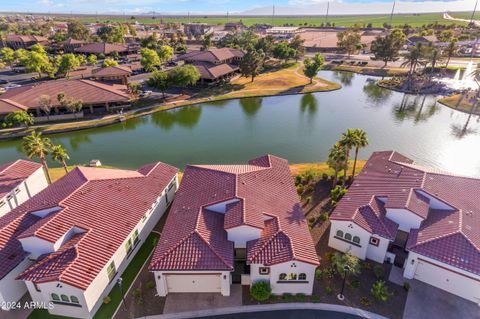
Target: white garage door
x=451 y=281
x=193 y=283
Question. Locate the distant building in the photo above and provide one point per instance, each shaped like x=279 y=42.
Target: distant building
x=425 y=40
x=70 y=45
x=283 y=33
x=119 y=73
x=103 y=48
x=16 y=41
x=196 y=29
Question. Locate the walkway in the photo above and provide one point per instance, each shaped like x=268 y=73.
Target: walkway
x=268 y=308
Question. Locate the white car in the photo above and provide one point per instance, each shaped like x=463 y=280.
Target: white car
x=12 y=86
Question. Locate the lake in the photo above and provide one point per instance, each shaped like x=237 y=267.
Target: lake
x=301 y=128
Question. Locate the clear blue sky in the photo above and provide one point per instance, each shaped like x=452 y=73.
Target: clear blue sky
x=234 y=6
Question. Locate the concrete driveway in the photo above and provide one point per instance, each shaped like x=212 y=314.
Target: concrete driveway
x=425 y=301
x=181 y=302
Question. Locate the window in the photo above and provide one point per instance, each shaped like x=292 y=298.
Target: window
x=292 y=276
x=282 y=276
x=374 y=241
x=128 y=246
x=172 y=183
x=135 y=237
x=17 y=190
x=111 y=271
x=348 y=236
x=144 y=218
x=264 y=270
x=356 y=239
x=65 y=298
x=74 y=299
x=36 y=287
x=339 y=233
x=302 y=276
x=55 y=297
x=2 y=203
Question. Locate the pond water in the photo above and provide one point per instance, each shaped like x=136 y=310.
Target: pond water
x=301 y=128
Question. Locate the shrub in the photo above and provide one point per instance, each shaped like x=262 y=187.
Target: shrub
x=298 y=180
x=378 y=271
x=261 y=290
x=324 y=216
x=329 y=256
x=137 y=292
x=140 y=301
x=318 y=273
x=380 y=291
x=365 y=301
x=150 y=284
x=328 y=290
x=287 y=297
x=406 y=286
x=315 y=298
x=329 y=273
x=311 y=220
x=366 y=265
x=309 y=189
x=355 y=283
x=308 y=200
x=337 y=193
x=300 y=189
x=300 y=297
x=340 y=260
x=107 y=300
x=325 y=176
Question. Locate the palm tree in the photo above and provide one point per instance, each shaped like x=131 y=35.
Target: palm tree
x=336 y=159
x=361 y=140
x=476 y=74
x=348 y=140
x=450 y=51
x=414 y=58
x=35 y=145
x=60 y=155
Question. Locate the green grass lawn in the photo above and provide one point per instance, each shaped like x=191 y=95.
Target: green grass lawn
x=106 y=311
x=418 y=19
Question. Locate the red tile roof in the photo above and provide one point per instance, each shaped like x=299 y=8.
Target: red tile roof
x=212 y=71
x=212 y=55
x=26 y=38
x=124 y=197
x=14 y=173
x=195 y=238
x=449 y=235
x=98 y=48
x=9 y=106
x=118 y=70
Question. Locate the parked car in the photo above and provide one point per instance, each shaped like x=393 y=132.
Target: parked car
x=2 y=81
x=172 y=63
x=12 y=86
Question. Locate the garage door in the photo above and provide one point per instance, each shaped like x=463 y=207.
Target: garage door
x=450 y=281
x=193 y=283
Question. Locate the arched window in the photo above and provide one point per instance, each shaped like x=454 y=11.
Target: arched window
x=282 y=276
x=302 y=276
x=74 y=299
x=356 y=239
x=65 y=298
x=339 y=233
x=293 y=276
x=55 y=297
x=348 y=236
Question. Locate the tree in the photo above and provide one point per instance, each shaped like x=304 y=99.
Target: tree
x=312 y=66
x=266 y=45
x=349 y=41
x=45 y=103
x=347 y=140
x=149 y=60
x=21 y=56
x=76 y=30
x=283 y=51
x=450 y=50
x=109 y=62
x=415 y=57
x=112 y=34
x=60 y=155
x=387 y=48
x=159 y=80
x=261 y=290
x=297 y=44
x=135 y=88
x=8 y=56
x=165 y=53
x=434 y=56
x=19 y=118
x=206 y=41
x=184 y=76
x=251 y=64
x=336 y=160
x=68 y=62
x=34 y=145
x=361 y=141
x=340 y=260
x=37 y=62
x=92 y=59
x=150 y=42
x=446 y=36
x=380 y=291
x=82 y=59
x=72 y=106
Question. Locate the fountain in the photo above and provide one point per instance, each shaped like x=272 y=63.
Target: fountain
x=461 y=81
x=457 y=75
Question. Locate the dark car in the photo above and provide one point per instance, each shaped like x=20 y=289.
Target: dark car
x=172 y=63
x=2 y=81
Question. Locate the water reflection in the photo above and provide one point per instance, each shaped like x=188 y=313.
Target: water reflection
x=308 y=103
x=375 y=94
x=186 y=117
x=78 y=139
x=416 y=107
x=346 y=78
x=251 y=105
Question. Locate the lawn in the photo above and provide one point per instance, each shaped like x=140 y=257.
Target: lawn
x=106 y=311
x=367 y=70
x=318 y=169
x=452 y=101
x=417 y=19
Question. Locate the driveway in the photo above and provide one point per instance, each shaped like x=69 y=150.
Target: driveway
x=182 y=302
x=425 y=301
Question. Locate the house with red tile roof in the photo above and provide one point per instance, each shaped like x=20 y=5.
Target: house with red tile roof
x=70 y=243
x=421 y=219
x=19 y=41
x=19 y=181
x=103 y=48
x=235 y=224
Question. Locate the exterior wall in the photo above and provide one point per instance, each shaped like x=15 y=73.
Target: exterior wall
x=36 y=246
x=405 y=219
x=92 y=298
x=241 y=234
x=364 y=249
x=286 y=286
x=468 y=288
x=12 y=290
x=161 y=281
x=26 y=190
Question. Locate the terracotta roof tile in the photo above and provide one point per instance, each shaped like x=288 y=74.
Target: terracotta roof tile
x=14 y=173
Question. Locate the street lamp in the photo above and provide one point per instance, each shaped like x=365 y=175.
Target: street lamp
x=119 y=282
x=346 y=268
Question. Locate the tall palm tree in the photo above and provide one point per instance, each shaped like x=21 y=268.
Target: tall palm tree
x=449 y=51
x=347 y=140
x=60 y=155
x=35 y=145
x=414 y=58
x=336 y=159
x=476 y=75
x=361 y=140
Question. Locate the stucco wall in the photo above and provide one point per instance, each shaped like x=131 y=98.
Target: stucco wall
x=405 y=219
x=12 y=290
x=241 y=234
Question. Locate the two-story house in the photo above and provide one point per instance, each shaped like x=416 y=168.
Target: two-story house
x=235 y=224
x=70 y=243
x=421 y=219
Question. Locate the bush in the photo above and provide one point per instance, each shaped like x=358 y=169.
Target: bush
x=366 y=265
x=365 y=301
x=300 y=297
x=298 y=180
x=137 y=292
x=406 y=286
x=140 y=301
x=355 y=283
x=318 y=273
x=325 y=176
x=309 y=189
x=308 y=200
x=329 y=273
x=315 y=298
x=261 y=290
x=378 y=271
x=107 y=300
x=324 y=216
x=380 y=291
x=150 y=284
x=300 y=189
x=287 y=297
x=329 y=256
x=328 y=290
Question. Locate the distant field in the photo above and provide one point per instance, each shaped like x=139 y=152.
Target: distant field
x=376 y=20
x=466 y=15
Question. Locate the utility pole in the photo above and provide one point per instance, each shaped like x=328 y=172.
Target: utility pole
x=227 y=16
x=391 y=14
x=328 y=8
x=473 y=13
x=273 y=14
x=188 y=15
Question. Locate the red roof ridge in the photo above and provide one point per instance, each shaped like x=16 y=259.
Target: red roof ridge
x=9 y=165
x=15 y=104
x=103 y=87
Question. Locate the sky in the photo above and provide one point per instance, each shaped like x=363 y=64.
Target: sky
x=290 y=7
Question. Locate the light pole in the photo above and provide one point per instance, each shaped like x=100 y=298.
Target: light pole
x=346 y=268
x=119 y=282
